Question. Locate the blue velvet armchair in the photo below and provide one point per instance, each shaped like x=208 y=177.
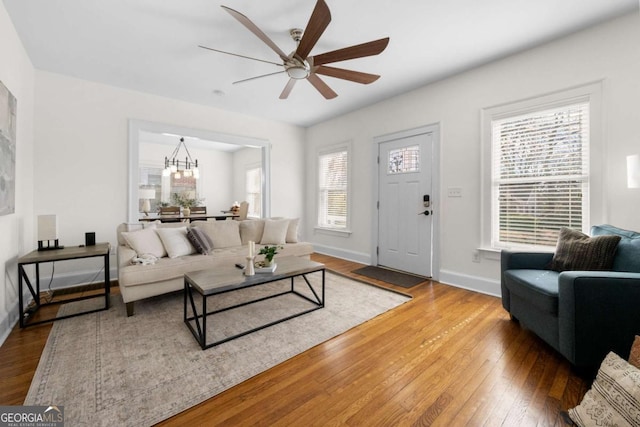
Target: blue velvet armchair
x=581 y=314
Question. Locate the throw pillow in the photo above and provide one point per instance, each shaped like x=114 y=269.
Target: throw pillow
x=614 y=397
x=577 y=251
x=223 y=234
x=175 y=241
x=292 y=230
x=634 y=357
x=628 y=251
x=251 y=230
x=145 y=242
x=275 y=232
x=200 y=240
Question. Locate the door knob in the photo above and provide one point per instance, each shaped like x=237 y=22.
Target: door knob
x=427 y=213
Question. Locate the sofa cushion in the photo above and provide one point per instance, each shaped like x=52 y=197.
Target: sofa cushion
x=175 y=241
x=251 y=230
x=275 y=232
x=292 y=230
x=540 y=287
x=200 y=240
x=145 y=242
x=174 y=268
x=628 y=253
x=577 y=251
x=223 y=234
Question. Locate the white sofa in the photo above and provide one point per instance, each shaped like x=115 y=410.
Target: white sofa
x=168 y=253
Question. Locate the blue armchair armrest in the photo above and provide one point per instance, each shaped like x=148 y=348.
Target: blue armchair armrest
x=598 y=312
x=520 y=260
x=525 y=260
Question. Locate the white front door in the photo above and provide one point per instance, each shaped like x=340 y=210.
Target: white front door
x=405 y=185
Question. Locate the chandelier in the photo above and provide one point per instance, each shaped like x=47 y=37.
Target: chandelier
x=179 y=168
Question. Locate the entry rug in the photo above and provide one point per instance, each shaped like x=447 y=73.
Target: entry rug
x=390 y=276
x=108 y=369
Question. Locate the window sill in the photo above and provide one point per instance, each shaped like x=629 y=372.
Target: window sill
x=332 y=232
x=490 y=253
x=493 y=253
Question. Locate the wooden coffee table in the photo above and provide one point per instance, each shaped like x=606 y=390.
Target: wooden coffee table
x=217 y=281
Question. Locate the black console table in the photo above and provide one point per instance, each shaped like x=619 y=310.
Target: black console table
x=65 y=254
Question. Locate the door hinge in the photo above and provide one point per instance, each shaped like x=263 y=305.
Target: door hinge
x=378 y=159
x=378 y=204
x=377 y=250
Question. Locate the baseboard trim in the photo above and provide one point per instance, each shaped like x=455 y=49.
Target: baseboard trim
x=8 y=322
x=472 y=283
x=345 y=254
x=70 y=280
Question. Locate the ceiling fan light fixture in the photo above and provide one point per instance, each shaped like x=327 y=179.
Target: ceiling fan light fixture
x=298 y=72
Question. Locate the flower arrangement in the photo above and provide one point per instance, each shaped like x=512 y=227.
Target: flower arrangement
x=186 y=199
x=269 y=252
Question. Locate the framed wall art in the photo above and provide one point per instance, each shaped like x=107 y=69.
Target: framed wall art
x=7 y=151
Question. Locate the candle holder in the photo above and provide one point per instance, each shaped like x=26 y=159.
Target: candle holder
x=249 y=269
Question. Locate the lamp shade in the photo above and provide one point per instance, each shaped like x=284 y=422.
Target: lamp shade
x=147 y=193
x=47 y=227
x=633 y=171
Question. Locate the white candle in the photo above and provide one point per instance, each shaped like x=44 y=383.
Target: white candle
x=250 y=248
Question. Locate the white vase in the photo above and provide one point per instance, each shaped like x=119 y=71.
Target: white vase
x=186 y=211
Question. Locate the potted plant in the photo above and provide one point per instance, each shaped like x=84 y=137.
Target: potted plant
x=186 y=200
x=269 y=252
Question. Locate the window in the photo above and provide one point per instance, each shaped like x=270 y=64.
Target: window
x=254 y=192
x=540 y=175
x=333 y=179
x=404 y=160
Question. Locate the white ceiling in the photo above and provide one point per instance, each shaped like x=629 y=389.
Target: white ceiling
x=151 y=46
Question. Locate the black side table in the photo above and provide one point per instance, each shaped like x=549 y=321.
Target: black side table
x=65 y=254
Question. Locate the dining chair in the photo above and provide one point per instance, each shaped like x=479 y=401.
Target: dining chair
x=170 y=210
x=242 y=212
x=199 y=210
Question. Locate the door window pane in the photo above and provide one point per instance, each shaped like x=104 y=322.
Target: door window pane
x=403 y=160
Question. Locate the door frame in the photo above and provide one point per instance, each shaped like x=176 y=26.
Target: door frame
x=435 y=188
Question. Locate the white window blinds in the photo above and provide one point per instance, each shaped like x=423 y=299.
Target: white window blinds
x=540 y=175
x=332 y=191
x=254 y=192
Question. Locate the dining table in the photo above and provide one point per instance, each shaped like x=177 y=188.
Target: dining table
x=188 y=218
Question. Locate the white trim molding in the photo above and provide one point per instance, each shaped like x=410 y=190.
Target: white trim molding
x=471 y=283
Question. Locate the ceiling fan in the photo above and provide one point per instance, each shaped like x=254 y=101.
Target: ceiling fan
x=299 y=65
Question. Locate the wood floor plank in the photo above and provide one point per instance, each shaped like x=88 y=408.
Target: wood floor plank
x=448 y=357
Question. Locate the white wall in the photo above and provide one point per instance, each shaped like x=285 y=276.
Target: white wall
x=16 y=230
x=81 y=151
x=610 y=52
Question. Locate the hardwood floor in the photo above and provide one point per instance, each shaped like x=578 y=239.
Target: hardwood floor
x=449 y=357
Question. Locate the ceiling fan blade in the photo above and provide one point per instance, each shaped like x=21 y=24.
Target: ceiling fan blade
x=358 y=51
x=287 y=89
x=241 y=56
x=341 y=73
x=258 y=77
x=257 y=31
x=318 y=22
x=322 y=87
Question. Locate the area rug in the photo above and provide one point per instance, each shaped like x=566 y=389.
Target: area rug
x=109 y=369
x=390 y=276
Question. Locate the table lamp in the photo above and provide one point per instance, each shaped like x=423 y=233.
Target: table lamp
x=145 y=194
x=48 y=232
